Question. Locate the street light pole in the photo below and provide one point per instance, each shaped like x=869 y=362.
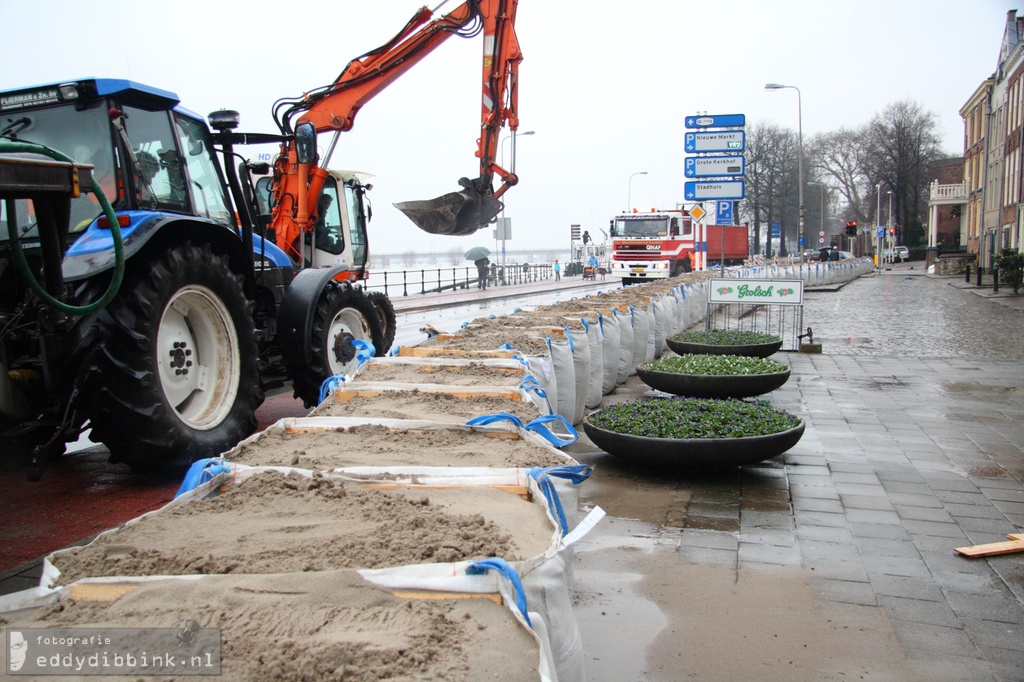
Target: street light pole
x=878 y=223
x=629 y=196
x=888 y=225
x=821 y=210
x=799 y=156
x=512 y=169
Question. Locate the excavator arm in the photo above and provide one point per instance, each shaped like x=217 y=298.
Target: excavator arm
x=298 y=181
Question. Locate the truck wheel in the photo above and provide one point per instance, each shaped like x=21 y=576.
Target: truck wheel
x=173 y=367
x=388 y=321
x=342 y=315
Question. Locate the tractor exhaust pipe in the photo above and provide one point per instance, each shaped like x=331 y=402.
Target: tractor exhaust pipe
x=454 y=214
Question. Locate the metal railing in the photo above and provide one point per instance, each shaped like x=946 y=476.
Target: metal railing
x=437 y=280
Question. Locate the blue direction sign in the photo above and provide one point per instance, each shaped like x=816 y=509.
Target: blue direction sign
x=713 y=166
x=722 y=189
x=880 y=231
x=723 y=212
x=718 y=121
x=720 y=141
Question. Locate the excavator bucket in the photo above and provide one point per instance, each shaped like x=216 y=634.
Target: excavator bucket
x=455 y=214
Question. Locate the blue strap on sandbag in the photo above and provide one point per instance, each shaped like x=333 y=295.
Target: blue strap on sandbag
x=507 y=572
x=530 y=384
x=572 y=346
x=201 y=471
x=543 y=475
x=486 y=419
x=506 y=346
x=329 y=385
x=539 y=426
x=364 y=353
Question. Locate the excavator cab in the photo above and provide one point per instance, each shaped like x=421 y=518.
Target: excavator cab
x=455 y=213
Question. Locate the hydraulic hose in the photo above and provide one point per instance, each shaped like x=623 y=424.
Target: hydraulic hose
x=9 y=146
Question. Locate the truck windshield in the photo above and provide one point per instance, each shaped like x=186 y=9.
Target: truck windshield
x=641 y=227
x=85 y=136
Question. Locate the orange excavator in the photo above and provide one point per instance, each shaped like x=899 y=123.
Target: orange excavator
x=299 y=174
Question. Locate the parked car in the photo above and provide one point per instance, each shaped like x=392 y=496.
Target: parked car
x=901 y=252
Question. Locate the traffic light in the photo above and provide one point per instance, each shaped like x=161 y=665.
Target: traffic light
x=851 y=228
x=892 y=230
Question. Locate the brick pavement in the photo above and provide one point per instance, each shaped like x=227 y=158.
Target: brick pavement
x=913 y=446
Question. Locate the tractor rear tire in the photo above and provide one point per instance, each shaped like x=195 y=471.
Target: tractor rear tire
x=170 y=369
x=388 y=320
x=343 y=314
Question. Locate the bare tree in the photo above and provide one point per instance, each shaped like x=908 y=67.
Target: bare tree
x=771 y=181
x=409 y=258
x=454 y=255
x=840 y=160
x=901 y=144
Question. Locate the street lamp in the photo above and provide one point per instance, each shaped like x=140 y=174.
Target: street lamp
x=821 y=211
x=890 y=237
x=629 y=195
x=878 y=222
x=512 y=169
x=799 y=155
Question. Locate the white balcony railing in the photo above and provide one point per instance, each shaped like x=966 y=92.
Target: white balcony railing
x=948 y=194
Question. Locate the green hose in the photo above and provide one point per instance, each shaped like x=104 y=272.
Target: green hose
x=8 y=146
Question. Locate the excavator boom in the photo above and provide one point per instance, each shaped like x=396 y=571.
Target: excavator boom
x=334 y=107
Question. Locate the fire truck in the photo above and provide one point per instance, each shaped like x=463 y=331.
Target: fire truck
x=668 y=243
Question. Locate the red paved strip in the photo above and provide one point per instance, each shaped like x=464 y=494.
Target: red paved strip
x=82 y=494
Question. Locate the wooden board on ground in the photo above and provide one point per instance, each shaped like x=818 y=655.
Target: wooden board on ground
x=1015 y=544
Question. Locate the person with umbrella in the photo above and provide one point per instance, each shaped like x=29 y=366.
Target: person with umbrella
x=478 y=254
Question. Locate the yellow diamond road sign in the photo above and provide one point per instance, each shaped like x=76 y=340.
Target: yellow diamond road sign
x=697 y=213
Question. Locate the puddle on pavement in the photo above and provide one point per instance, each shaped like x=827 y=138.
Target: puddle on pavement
x=617 y=624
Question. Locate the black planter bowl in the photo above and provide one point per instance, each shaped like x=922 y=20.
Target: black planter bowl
x=692 y=453
x=753 y=350
x=713 y=385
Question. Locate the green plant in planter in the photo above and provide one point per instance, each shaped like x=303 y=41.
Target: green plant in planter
x=715 y=365
x=694 y=418
x=1011 y=268
x=725 y=337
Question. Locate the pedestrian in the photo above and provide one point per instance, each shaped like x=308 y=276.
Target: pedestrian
x=823 y=254
x=481 y=272
x=834 y=255
x=558 y=271
x=586 y=237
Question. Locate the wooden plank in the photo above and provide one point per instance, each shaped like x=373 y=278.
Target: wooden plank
x=1016 y=536
x=520 y=490
x=425 y=594
x=100 y=591
x=992 y=549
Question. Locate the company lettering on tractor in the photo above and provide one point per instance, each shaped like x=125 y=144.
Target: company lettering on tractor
x=666 y=243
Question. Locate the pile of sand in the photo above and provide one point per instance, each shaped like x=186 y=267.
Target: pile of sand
x=471 y=374
x=444 y=407
x=381 y=446
x=274 y=523
x=317 y=626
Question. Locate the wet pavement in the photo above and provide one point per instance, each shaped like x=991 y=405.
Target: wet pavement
x=834 y=561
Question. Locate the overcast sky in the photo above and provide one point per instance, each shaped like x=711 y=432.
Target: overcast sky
x=605 y=85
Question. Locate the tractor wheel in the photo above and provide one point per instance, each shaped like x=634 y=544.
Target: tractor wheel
x=388 y=321
x=342 y=315
x=171 y=366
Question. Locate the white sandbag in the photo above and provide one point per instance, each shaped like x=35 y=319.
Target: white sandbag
x=662 y=309
x=579 y=343
x=626 y=345
x=596 y=341
x=609 y=350
x=564 y=401
x=640 y=337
